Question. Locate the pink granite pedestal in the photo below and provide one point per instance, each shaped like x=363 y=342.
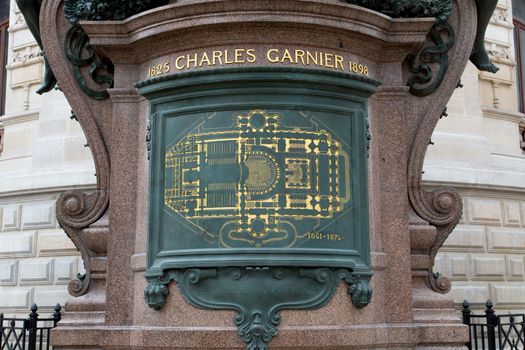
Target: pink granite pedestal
x=408 y=224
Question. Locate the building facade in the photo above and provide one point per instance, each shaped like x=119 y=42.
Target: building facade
x=478 y=149
x=42 y=153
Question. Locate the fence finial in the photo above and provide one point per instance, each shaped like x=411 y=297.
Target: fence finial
x=57 y=315
x=32 y=326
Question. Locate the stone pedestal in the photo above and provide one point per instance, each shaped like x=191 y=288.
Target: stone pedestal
x=407 y=224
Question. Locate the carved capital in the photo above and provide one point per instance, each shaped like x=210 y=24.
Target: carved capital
x=78 y=286
x=440 y=207
x=77 y=210
x=80 y=209
x=92 y=244
x=439 y=283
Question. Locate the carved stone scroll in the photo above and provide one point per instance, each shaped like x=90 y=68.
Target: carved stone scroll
x=78 y=209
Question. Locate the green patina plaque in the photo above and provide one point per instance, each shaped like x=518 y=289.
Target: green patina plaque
x=259 y=168
x=258 y=178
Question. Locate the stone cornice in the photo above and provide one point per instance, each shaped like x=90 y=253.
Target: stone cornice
x=20 y=117
x=490 y=191
x=502 y=114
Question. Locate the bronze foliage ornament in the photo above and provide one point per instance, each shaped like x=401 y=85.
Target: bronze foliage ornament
x=424 y=81
x=440 y=9
x=81 y=54
x=103 y=10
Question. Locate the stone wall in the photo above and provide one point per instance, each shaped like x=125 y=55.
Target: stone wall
x=37 y=259
x=477 y=150
x=485 y=254
x=43 y=154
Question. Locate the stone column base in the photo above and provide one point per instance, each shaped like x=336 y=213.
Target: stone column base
x=400 y=336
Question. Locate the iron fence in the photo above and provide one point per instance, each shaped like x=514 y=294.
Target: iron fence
x=31 y=333
x=490 y=331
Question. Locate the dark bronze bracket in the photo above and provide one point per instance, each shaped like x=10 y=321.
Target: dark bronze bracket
x=258 y=294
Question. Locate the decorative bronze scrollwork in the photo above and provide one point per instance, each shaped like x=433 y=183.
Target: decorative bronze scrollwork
x=239 y=289
x=81 y=54
x=441 y=9
x=424 y=82
x=104 y=10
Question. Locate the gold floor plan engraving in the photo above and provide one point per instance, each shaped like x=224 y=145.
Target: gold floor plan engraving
x=261 y=179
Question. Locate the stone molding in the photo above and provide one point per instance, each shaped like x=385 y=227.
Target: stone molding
x=19 y=118
x=502 y=114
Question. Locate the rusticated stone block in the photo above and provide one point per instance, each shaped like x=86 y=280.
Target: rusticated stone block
x=506 y=240
x=55 y=243
x=36 y=271
x=490 y=267
x=475 y=293
x=19 y=298
x=38 y=215
x=484 y=211
x=66 y=269
x=466 y=238
x=17 y=244
x=11 y=217
x=458 y=266
x=511 y=213
x=8 y=272
x=515 y=268
x=508 y=293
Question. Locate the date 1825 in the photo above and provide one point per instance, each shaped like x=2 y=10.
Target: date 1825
x=159 y=69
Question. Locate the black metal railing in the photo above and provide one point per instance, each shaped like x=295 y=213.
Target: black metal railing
x=494 y=332
x=31 y=333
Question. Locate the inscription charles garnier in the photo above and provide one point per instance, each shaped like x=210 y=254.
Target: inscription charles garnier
x=250 y=56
